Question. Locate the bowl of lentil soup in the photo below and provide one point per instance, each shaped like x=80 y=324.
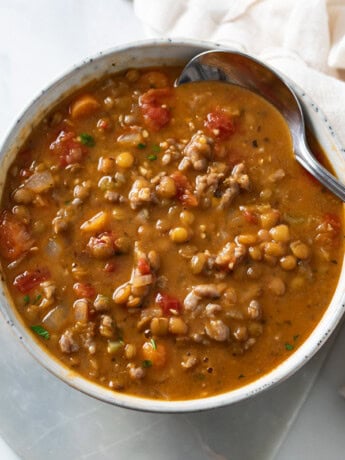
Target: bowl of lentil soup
x=161 y=249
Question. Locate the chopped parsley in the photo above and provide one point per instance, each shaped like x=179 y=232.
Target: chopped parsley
x=155 y=148
x=38 y=298
x=39 y=330
x=147 y=363
x=153 y=344
x=26 y=299
x=296 y=337
x=152 y=157
x=141 y=146
x=87 y=139
x=289 y=347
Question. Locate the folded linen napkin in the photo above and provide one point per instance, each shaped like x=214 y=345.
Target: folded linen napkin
x=304 y=40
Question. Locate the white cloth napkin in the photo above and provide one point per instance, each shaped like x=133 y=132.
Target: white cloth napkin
x=303 y=39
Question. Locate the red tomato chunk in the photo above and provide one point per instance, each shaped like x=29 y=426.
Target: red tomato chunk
x=168 y=303
x=184 y=190
x=144 y=266
x=84 y=290
x=68 y=149
x=28 y=280
x=15 y=240
x=220 y=124
x=155 y=113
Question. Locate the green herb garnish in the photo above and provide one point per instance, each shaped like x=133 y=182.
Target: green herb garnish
x=26 y=299
x=153 y=344
x=38 y=298
x=295 y=337
x=155 y=148
x=152 y=157
x=87 y=139
x=39 y=330
x=147 y=363
x=289 y=347
x=141 y=146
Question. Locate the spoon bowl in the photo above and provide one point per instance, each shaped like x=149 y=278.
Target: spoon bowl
x=243 y=70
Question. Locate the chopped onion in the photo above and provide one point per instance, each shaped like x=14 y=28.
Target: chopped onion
x=130 y=139
x=142 y=280
x=56 y=318
x=40 y=182
x=81 y=310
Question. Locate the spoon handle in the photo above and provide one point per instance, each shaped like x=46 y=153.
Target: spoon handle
x=309 y=162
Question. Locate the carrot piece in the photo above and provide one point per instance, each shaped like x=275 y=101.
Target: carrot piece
x=156 y=355
x=96 y=223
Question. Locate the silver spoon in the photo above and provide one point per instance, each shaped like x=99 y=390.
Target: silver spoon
x=240 y=69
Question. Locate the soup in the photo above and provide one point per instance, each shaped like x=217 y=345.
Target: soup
x=163 y=241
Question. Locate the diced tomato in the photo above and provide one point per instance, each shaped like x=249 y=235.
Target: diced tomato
x=15 y=239
x=30 y=279
x=168 y=303
x=220 y=124
x=250 y=217
x=68 y=149
x=84 y=290
x=184 y=190
x=155 y=96
x=155 y=112
x=144 y=266
x=156 y=117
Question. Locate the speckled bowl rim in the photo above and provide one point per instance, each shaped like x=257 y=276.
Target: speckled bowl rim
x=181 y=50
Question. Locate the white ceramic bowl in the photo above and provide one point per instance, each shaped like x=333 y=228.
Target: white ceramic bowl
x=148 y=53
